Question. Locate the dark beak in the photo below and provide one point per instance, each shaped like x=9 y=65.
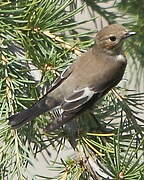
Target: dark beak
x=128 y=34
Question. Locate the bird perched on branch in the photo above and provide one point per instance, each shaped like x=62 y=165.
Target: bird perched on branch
x=89 y=78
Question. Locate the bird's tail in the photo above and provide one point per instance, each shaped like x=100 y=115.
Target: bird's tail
x=21 y=118
x=44 y=104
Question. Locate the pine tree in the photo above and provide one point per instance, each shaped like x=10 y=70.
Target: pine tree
x=38 y=40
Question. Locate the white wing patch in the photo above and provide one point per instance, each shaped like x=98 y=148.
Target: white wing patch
x=75 y=102
x=72 y=105
x=86 y=93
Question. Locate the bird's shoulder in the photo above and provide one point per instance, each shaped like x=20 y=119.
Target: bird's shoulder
x=59 y=80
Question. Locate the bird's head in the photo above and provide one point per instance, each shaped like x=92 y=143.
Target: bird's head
x=112 y=36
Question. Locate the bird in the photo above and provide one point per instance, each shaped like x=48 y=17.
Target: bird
x=84 y=82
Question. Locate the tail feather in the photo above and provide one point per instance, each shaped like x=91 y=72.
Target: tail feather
x=46 y=103
x=21 y=118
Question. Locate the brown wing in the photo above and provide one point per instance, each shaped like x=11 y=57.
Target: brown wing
x=64 y=75
x=73 y=105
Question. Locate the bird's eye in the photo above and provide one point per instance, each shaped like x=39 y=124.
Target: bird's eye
x=112 y=38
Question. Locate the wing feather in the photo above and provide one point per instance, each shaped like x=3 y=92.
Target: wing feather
x=64 y=75
x=73 y=105
x=77 y=99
